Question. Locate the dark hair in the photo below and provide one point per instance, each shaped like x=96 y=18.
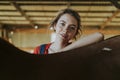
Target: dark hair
x=72 y=13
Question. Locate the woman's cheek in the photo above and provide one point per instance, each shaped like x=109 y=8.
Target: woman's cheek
x=72 y=35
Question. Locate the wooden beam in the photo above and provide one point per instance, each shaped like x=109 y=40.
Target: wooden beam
x=84 y=31
x=41 y=30
x=68 y=4
x=22 y=13
x=110 y=19
x=4 y=33
x=115 y=3
x=1 y=24
x=105 y=32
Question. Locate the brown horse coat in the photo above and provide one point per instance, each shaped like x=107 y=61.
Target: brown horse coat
x=100 y=61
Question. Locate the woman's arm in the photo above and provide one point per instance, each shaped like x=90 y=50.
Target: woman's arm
x=90 y=39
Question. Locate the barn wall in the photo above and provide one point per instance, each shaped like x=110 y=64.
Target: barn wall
x=28 y=39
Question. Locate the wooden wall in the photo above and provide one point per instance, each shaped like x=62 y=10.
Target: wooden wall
x=28 y=39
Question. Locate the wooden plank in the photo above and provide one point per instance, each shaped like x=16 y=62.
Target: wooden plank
x=22 y=13
x=110 y=19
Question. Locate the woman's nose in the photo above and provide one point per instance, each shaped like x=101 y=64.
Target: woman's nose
x=65 y=30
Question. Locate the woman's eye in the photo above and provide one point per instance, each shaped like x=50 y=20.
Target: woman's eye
x=72 y=28
x=62 y=24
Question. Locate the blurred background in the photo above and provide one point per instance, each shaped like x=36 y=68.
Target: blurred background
x=25 y=24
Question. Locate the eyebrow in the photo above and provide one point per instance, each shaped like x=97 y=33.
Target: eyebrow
x=70 y=24
x=62 y=21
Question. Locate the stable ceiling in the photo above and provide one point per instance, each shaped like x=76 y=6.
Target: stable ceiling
x=101 y=14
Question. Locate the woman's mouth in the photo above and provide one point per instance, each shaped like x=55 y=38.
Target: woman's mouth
x=64 y=36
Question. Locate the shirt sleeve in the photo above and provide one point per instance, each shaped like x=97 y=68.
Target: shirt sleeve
x=36 y=50
x=42 y=49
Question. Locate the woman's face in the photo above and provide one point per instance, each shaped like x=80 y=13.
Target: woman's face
x=66 y=27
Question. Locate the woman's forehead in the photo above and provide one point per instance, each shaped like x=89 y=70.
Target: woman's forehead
x=68 y=18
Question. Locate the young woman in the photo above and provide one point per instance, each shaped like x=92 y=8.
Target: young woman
x=67 y=25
